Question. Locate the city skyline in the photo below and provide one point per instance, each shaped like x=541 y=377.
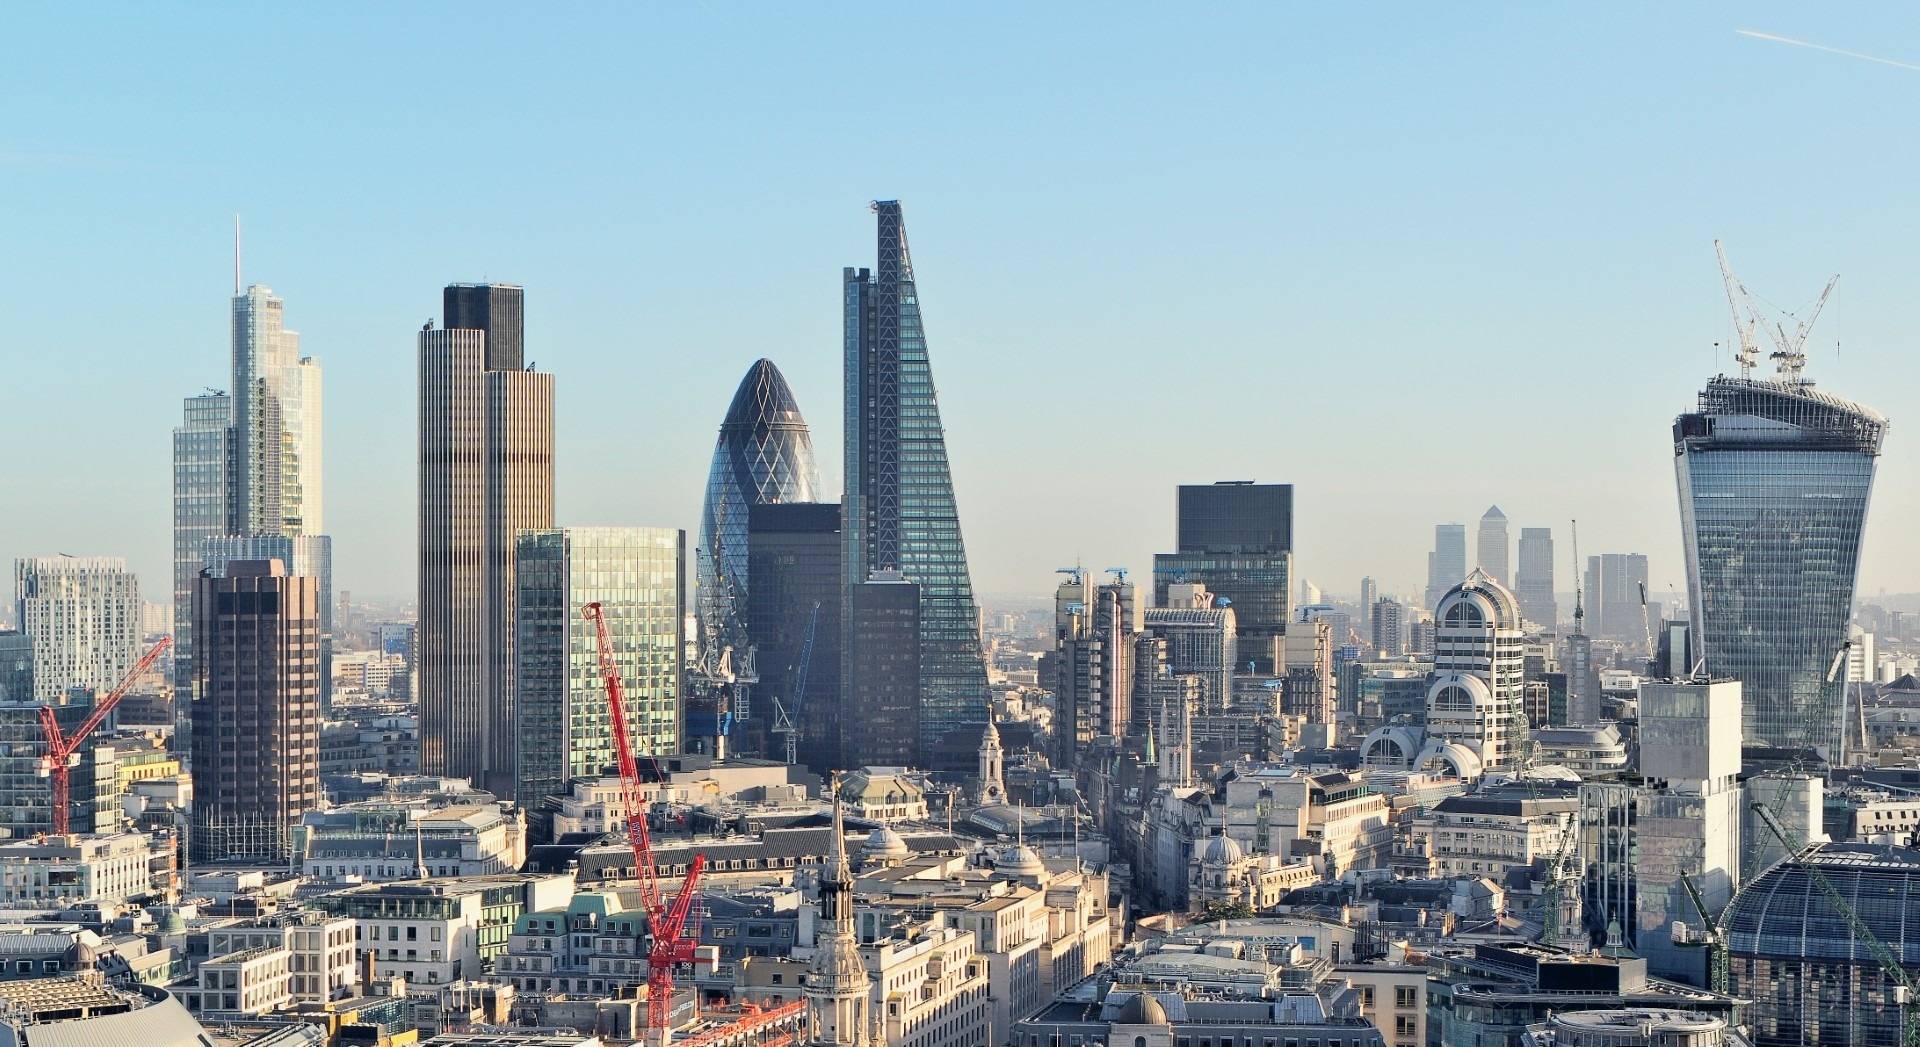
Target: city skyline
x=1650 y=329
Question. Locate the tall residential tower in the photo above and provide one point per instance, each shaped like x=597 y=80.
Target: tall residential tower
x=899 y=508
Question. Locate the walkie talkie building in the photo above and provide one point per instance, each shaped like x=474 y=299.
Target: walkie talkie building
x=1774 y=479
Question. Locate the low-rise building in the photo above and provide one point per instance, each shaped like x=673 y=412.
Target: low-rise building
x=1493 y=831
x=59 y=870
x=432 y=932
x=1165 y=1016
x=86 y=1009
x=250 y=981
x=405 y=838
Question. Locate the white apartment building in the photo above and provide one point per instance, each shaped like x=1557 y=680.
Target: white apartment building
x=83 y=613
x=251 y=981
x=320 y=954
x=1486 y=834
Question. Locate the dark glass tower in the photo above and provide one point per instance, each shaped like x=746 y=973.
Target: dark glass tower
x=1237 y=540
x=899 y=507
x=794 y=552
x=1774 y=479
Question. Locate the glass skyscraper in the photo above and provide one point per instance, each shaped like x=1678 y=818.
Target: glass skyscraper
x=764 y=456
x=1236 y=538
x=899 y=507
x=1774 y=479
x=561 y=724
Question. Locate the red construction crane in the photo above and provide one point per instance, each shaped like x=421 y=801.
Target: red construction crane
x=666 y=924
x=61 y=748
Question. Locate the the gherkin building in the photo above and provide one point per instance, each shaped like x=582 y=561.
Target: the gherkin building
x=764 y=455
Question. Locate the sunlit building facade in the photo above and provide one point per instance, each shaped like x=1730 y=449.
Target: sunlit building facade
x=1774 y=479
x=562 y=724
x=900 y=513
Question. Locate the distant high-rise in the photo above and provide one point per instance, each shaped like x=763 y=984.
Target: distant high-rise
x=1492 y=548
x=1236 y=538
x=638 y=576
x=1614 y=584
x=256 y=718
x=900 y=514
x=202 y=507
x=1389 y=627
x=486 y=474
x=1774 y=479
x=1533 y=577
x=1447 y=564
x=764 y=455
x=794 y=551
x=276 y=422
x=1369 y=592
x=83 y=613
x=1200 y=641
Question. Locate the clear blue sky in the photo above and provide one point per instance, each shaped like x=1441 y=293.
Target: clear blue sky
x=1413 y=259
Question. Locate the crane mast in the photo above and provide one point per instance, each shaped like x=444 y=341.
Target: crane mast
x=61 y=747
x=666 y=924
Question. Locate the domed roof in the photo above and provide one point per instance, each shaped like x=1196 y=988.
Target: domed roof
x=1222 y=850
x=173 y=922
x=1019 y=860
x=763 y=401
x=1480 y=601
x=885 y=843
x=1783 y=914
x=1143 y=1009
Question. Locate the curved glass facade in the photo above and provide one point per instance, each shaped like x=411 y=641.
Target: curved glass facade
x=1774 y=480
x=764 y=455
x=1791 y=952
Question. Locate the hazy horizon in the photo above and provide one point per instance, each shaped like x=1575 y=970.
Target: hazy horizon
x=1410 y=264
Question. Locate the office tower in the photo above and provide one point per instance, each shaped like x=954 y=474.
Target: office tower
x=1091 y=668
x=202 y=507
x=1614 y=585
x=16 y=666
x=1420 y=633
x=1236 y=538
x=486 y=474
x=1492 y=547
x=900 y=514
x=1389 y=627
x=306 y=555
x=83 y=613
x=764 y=455
x=1476 y=691
x=1308 y=670
x=1687 y=816
x=562 y=725
x=276 y=422
x=1369 y=593
x=1200 y=640
x=1533 y=578
x=1774 y=479
x=1447 y=564
x=882 y=658
x=256 y=715
x=793 y=556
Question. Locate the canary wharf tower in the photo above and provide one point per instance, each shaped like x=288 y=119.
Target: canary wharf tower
x=899 y=513
x=1774 y=478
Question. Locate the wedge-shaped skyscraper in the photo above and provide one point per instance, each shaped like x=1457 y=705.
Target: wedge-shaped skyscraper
x=1774 y=479
x=899 y=507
